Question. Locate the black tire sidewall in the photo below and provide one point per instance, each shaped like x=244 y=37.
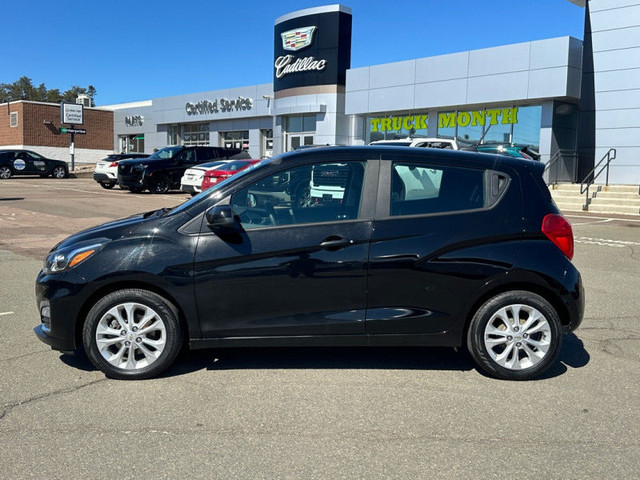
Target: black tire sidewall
x=167 y=312
x=107 y=186
x=161 y=180
x=475 y=334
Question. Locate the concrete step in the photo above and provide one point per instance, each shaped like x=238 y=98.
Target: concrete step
x=620 y=188
x=570 y=206
x=619 y=195
x=635 y=202
x=565 y=187
x=566 y=193
x=621 y=209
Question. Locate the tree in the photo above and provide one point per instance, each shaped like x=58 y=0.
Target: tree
x=23 y=89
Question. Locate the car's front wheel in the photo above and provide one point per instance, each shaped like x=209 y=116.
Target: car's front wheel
x=5 y=172
x=515 y=335
x=59 y=172
x=160 y=184
x=132 y=334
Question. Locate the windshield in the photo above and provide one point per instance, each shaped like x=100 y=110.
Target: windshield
x=210 y=192
x=164 y=153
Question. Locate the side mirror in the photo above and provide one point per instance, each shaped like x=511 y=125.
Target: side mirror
x=220 y=216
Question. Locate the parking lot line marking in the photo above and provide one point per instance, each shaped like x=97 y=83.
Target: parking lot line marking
x=605 y=218
x=606 y=242
x=2 y=314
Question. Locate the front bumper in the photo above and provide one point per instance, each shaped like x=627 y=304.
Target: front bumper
x=60 y=298
x=135 y=181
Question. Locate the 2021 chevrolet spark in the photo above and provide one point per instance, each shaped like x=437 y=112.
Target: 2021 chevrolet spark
x=417 y=247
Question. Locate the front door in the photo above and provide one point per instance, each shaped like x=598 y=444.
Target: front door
x=294 y=265
x=295 y=140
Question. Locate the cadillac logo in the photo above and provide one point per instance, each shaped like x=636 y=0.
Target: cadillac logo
x=298 y=38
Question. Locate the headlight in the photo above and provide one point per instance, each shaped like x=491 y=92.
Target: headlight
x=62 y=260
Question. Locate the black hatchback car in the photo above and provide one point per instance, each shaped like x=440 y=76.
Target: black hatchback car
x=411 y=247
x=163 y=170
x=26 y=162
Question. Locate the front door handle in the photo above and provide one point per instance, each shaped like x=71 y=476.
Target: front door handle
x=335 y=242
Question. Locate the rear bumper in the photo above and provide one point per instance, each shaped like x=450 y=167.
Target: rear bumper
x=104 y=178
x=190 y=188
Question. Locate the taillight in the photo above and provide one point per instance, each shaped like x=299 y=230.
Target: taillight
x=114 y=164
x=559 y=231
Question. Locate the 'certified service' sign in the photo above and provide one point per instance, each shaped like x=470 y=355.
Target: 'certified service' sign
x=72 y=113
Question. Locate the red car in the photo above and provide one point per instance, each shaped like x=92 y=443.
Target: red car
x=216 y=175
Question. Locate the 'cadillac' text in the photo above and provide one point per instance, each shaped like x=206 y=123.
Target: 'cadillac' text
x=285 y=66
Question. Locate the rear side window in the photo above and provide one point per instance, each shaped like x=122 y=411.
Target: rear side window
x=420 y=189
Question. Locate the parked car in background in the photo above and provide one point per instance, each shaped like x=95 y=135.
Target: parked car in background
x=215 y=175
x=191 y=181
x=26 y=162
x=106 y=172
x=163 y=170
x=427 y=247
x=508 y=150
x=444 y=143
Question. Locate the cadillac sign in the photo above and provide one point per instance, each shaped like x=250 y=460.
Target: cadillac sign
x=312 y=49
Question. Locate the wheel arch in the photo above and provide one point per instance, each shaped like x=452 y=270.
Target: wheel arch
x=548 y=294
x=113 y=287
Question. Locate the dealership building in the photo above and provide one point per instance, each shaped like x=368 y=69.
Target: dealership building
x=571 y=100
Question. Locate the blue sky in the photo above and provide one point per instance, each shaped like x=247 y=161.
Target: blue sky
x=138 y=50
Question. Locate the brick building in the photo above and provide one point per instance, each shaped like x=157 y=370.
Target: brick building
x=36 y=126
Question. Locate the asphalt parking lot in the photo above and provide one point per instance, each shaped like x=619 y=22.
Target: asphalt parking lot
x=312 y=413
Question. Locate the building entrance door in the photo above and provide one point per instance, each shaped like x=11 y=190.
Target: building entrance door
x=294 y=140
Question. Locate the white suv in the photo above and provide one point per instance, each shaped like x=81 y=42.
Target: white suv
x=106 y=172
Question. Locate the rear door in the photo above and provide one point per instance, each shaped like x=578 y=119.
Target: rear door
x=295 y=266
x=441 y=231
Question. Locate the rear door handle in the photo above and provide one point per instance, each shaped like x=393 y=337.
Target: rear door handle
x=335 y=242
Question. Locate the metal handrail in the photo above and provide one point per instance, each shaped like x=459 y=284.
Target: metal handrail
x=607 y=156
x=554 y=158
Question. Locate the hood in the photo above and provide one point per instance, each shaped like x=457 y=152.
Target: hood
x=111 y=230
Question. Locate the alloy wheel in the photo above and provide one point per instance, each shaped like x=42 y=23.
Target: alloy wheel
x=517 y=337
x=131 y=336
x=59 y=172
x=5 y=172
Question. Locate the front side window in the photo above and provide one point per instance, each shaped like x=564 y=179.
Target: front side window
x=418 y=189
x=323 y=192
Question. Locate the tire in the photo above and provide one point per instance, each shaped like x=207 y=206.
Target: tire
x=59 y=172
x=515 y=351
x=108 y=186
x=132 y=350
x=5 y=172
x=136 y=189
x=160 y=184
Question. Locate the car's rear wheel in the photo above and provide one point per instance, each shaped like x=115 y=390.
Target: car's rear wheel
x=160 y=184
x=59 y=172
x=515 y=335
x=5 y=172
x=132 y=334
x=108 y=186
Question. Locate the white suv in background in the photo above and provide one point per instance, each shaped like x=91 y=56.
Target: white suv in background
x=106 y=172
x=191 y=181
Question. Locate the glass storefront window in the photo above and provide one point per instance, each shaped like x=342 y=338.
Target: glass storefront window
x=504 y=125
x=267 y=142
x=195 y=134
x=173 y=135
x=239 y=139
x=394 y=127
x=132 y=143
x=527 y=130
x=301 y=123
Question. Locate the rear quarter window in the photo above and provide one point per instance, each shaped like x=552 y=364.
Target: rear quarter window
x=422 y=189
